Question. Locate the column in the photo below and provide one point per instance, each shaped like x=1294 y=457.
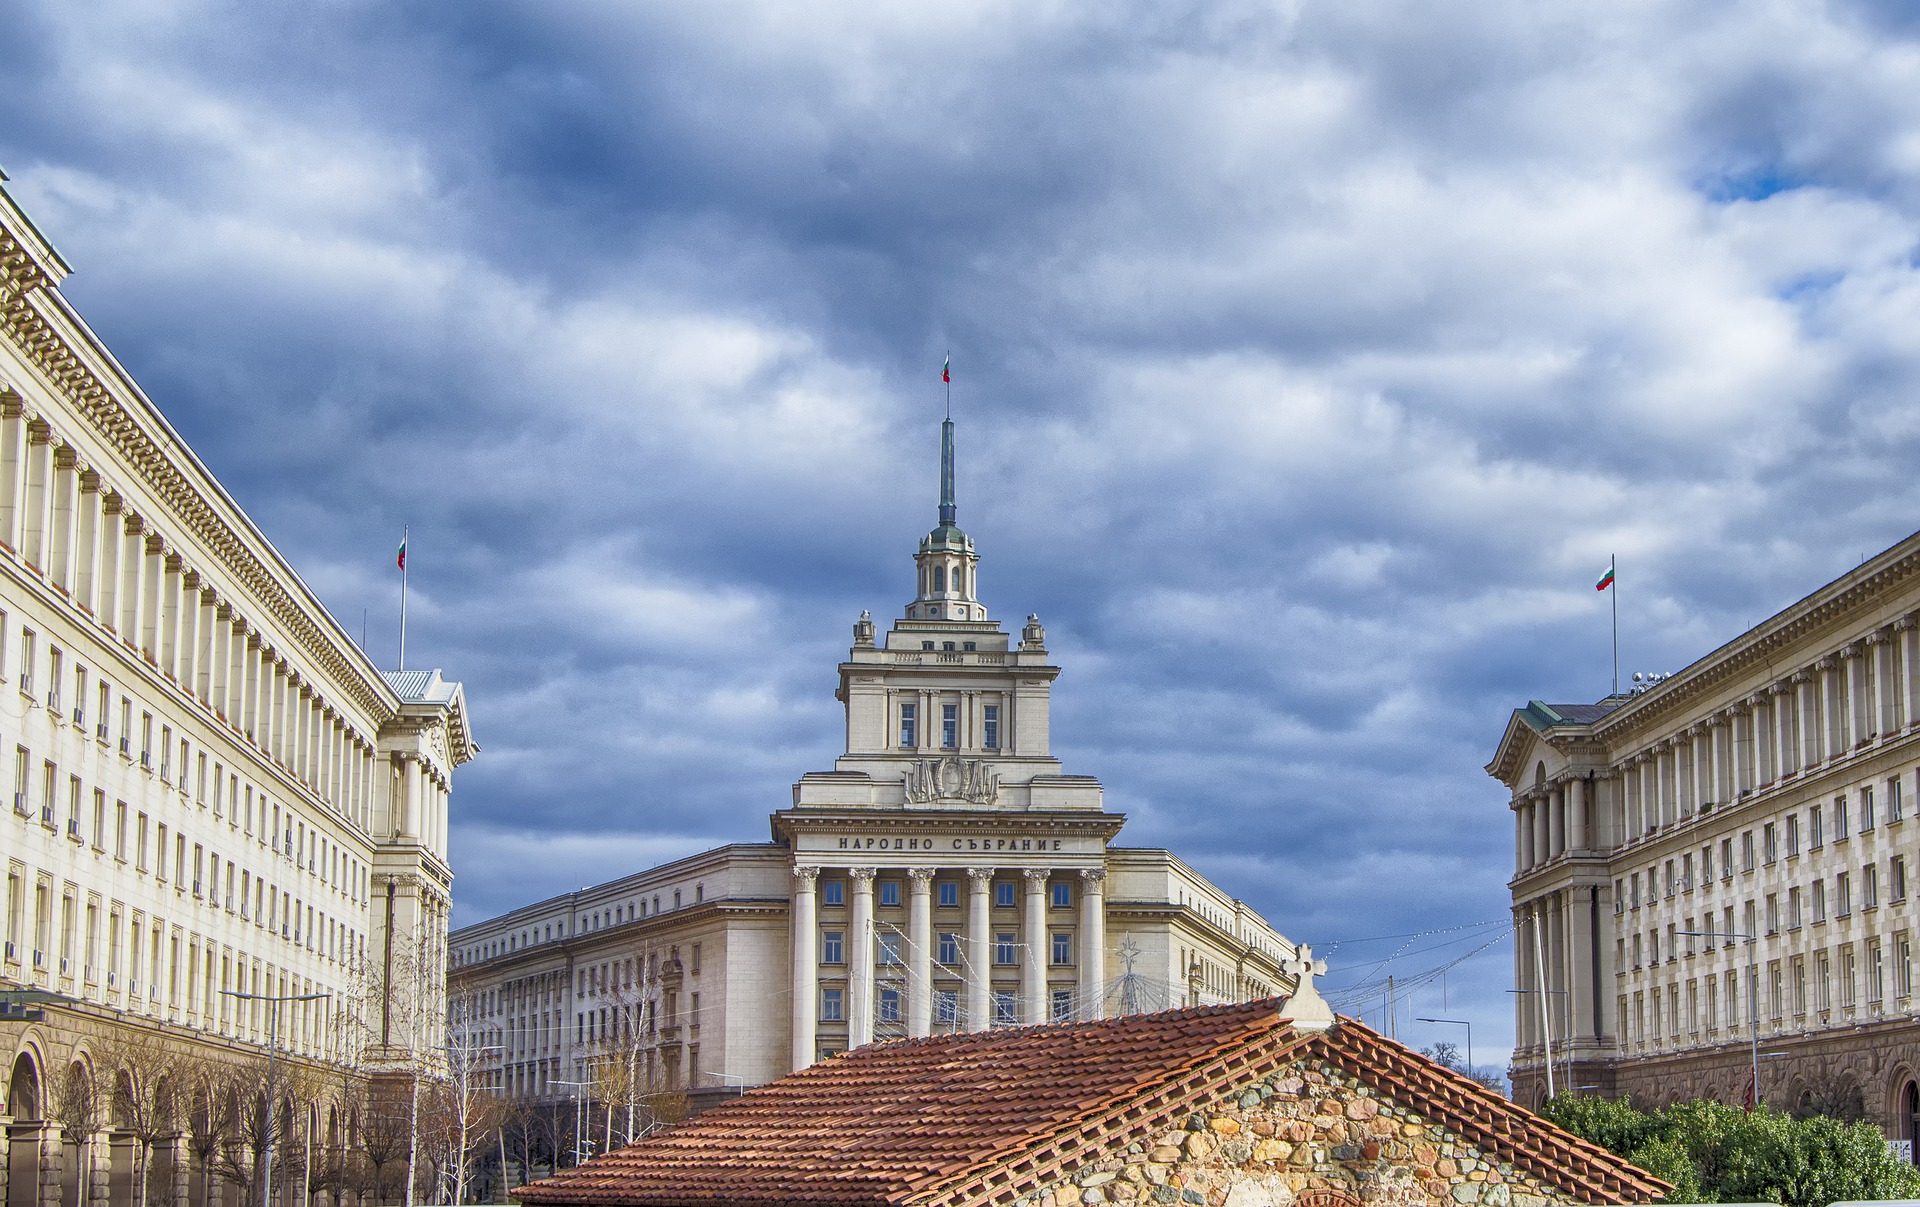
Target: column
x=1556 y=803
x=806 y=965
x=1579 y=836
x=406 y=826
x=1784 y=700
x=1093 y=943
x=1907 y=631
x=1522 y=838
x=1033 y=925
x=1744 y=733
x=1541 y=850
x=920 y=951
x=979 y=954
x=860 y=959
x=1851 y=685
x=1886 y=701
x=1818 y=723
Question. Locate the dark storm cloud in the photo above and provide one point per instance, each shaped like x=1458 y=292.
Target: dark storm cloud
x=1311 y=359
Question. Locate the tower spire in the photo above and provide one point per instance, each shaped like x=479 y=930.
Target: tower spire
x=947 y=508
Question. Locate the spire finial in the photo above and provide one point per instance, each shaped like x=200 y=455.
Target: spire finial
x=947 y=509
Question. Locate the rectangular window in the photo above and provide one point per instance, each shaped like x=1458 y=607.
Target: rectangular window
x=1820 y=901
x=1870 y=887
x=949 y=891
x=1773 y=913
x=1003 y=947
x=1726 y=858
x=1062 y=1006
x=1062 y=895
x=990 y=728
x=1843 y=894
x=889 y=949
x=1634 y=881
x=101 y=729
x=833 y=892
x=27 y=658
x=909 y=731
x=1746 y=851
x=1003 y=894
x=99 y=819
x=54 y=659
x=1816 y=834
x=1686 y=872
x=1897 y=878
x=833 y=947
x=949 y=948
x=1793 y=908
x=830 y=1005
x=1866 y=808
x=1062 y=948
x=889 y=1005
x=1839 y=818
x=1894 y=798
x=1005 y=1011
x=946 y=1006
x=889 y=892
x=1769 y=842
x=949 y=726
x=1876 y=972
x=1793 y=832
x=1903 y=965
x=1619 y=896
x=120 y=830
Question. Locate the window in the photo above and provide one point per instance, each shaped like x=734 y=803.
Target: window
x=1839 y=818
x=909 y=733
x=99 y=820
x=1897 y=878
x=1003 y=946
x=1793 y=832
x=1870 y=887
x=949 y=893
x=832 y=892
x=1619 y=896
x=1903 y=965
x=1062 y=1011
x=1769 y=842
x=1773 y=913
x=1746 y=851
x=54 y=659
x=1062 y=948
x=1876 y=972
x=990 y=727
x=1842 y=894
x=1893 y=799
x=949 y=948
x=1793 y=908
x=1004 y=1010
x=831 y=1005
x=946 y=1006
x=120 y=830
x=833 y=947
x=889 y=892
x=1726 y=858
x=889 y=1005
x=1062 y=895
x=1003 y=894
x=1866 y=808
x=1816 y=834
x=1634 y=881
x=949 y=726
x=889 y=949
x=1820 y=901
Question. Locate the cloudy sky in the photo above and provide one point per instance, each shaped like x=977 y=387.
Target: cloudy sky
x=1310 y=360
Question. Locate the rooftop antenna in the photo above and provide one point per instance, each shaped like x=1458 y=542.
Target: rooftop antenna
x=947 y=509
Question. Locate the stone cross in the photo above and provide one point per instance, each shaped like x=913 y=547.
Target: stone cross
x=1307 y=1010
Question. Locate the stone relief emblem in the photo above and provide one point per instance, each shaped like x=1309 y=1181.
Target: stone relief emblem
x=951 y=779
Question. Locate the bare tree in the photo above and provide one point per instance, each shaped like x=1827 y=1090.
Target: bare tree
x=73 y=1101
x=145 y=1072
x=463 y=1115
x=210 y=1090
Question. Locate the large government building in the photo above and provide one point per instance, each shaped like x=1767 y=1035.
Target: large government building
x=1728 y=849
x=214 y=792
x=945 y=875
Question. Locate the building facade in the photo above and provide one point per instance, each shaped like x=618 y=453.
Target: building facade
x=1729 y=849
x=214 y=791
x=946 y=875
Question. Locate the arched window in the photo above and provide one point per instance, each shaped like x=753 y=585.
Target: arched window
x=939 y=578
x=959 y=580
x=1910 y=1120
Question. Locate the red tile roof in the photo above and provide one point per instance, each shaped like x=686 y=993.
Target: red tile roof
x=980 y=1116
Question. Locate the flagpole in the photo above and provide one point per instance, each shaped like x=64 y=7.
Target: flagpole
x=947 y=378
x=1614 y=588
x=403 y=602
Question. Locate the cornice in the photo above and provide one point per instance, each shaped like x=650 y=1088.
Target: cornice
x=55 y=347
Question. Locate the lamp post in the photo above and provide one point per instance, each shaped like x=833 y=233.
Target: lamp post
x=1753 y=995
x=273 y=1046
x=579 y=1118
x=1458 y=1022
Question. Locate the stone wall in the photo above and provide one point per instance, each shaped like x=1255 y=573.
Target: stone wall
x=1309 y=1134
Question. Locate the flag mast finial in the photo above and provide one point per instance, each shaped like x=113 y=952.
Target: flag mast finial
x=402 y=559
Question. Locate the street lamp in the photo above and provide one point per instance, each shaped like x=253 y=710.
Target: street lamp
x=1458 y=1022
x=579 y=1118
x=1753 y=996
x=273 y=1045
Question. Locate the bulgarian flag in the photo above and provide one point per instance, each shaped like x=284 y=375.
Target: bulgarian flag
x=944 y=366
x=1606 y=580
x=400 y=560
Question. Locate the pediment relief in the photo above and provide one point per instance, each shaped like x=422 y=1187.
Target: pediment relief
x=951 y=779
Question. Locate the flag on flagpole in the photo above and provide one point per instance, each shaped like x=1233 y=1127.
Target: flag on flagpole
x=400 y=561
x=944 y=366
x=1606 y=580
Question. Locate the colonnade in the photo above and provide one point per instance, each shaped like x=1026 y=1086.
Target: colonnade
x=976 y=1008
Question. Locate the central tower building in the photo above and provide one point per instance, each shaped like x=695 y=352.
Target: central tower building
x=945 y=875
